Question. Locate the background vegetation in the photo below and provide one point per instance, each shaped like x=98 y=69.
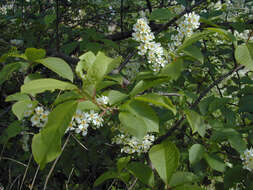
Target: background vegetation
x=198 y=106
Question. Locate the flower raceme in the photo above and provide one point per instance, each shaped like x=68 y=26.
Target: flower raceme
x=155 y=53
x=247 y=158
x=133 y=145
x=83 y=120
x=143 y=34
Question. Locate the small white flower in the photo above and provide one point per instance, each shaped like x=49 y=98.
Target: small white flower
x=98 y=122
x=44 y=116
x=247 y=158
x=78 y=116
x=104 y=100
x=28 y=113
x=35 y=119
x=92 y=116
x=83 y=129
x=39 y=110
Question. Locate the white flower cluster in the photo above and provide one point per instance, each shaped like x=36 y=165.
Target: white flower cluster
x=132 y=144
x=143 y=34
x=184 y=29
x=82 y=120
x=17 y=42
x=39 y=119
x=6 y=7
x=103 y=100
x=247 y=158
x=243 y=35
x=40 y=116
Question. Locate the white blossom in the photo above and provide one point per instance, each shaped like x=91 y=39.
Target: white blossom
x=142 y=33
x=104 y=100
x=132 y=144
x=247 y=158
x=39 y=110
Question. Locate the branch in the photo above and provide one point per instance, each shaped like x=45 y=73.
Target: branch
x=149 y=6
x=201 y=96
x=54 y=164
x=68 y=59
x=154 y=27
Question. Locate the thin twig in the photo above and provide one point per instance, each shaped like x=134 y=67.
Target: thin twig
x=157 y=31
x=114 y=180
x=25 y=172
x=79 y=142
x=71 y=172
x=14 y=181
x=54 y=164
x=36 y=173
x=201 y=96
x=133 y=184
x=149 y=6
x=13 y=160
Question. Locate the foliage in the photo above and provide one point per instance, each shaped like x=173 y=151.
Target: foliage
x=98 y=95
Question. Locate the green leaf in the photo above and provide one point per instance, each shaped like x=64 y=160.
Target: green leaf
x=188 y=187
x=228 y=35
x=46 y=145
x=215 y=162
x=7 y=70
x=196 y=122
x=174 y=69
x=115 y=96
x=244 y=55
x=32 y=76
x=34 y=54
x=204 y=105
x=20 y=107
x=194 y=52
x=105 y=176
x=181 y=178
x=71 y=95
x=144 y=112
x=42 y=85
x=58 y=66
x=146 y=84
x=245 y=103
x=157 y=100
x=232 y=136
x=193 y=38
x=142 y=172
x=69 y=47
x=165 y=159
x=196 y=153
x=161 y=14
x=105 y=84
x=234 y=176
x=122 y=163
x=17 y=97
x=49 y=19
x=87 y=105
x=86 y=61
x=11 y=131
x=132 y=125
x=101 y=67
